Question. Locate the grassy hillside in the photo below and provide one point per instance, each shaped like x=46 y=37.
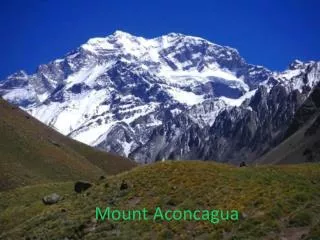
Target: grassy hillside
x=32 y=153
x=273 y=202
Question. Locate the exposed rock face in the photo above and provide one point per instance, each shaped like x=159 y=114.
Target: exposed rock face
x=309 y=108
x=301 y=141
x=247 y=134
x=171 y=97
x=238 y=133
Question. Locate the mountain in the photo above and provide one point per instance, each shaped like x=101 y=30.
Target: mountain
x=273 y=202
x=32 y=153
x=170 y=97
x=302 y=139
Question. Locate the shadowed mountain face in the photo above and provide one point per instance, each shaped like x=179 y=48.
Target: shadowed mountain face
x=32 y=153
x=302 y=139
x=171 y=97
x=306 y=112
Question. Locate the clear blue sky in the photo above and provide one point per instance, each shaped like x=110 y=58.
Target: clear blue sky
x=270 y=33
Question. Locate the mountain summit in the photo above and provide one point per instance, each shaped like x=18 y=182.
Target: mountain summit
x=170 y=97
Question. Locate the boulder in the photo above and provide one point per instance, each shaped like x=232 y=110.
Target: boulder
x=81 y=186
x=51 y=199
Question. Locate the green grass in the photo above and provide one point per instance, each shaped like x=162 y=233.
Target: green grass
x=274 y=201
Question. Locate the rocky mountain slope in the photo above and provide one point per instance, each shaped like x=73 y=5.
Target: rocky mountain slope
x=32 y=153
x=302 y=139
x=171 y=97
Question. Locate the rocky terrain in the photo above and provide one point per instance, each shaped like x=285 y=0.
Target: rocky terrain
x=302 y=139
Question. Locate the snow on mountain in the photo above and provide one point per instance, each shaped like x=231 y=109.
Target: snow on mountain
x=237 y=102
x=185 y=97
x=292 y=77
x=114 y=92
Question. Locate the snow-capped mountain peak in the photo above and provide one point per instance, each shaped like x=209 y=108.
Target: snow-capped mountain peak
x=119 y=33
x=296 y=64
x=115 y=92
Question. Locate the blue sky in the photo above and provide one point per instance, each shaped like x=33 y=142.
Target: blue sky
x=270 y=33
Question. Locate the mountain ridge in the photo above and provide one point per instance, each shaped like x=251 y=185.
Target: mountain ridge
x=119 y=91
